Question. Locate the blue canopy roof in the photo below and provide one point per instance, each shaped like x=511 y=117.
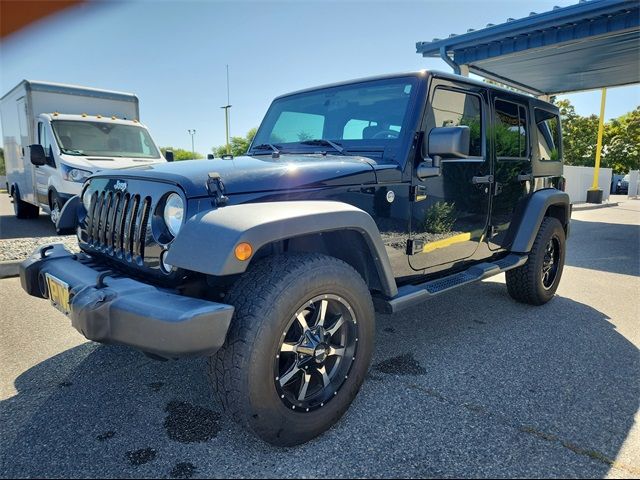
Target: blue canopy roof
x=590 y=45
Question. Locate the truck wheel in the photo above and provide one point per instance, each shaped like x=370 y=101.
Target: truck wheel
x=298 y=348
x=537 y=280
x=23 y=209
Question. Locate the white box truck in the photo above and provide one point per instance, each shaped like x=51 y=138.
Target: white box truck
x=56 y=135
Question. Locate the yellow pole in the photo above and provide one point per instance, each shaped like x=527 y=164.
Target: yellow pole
x=596 y=171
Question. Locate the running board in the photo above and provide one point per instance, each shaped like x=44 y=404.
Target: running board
x=410 y=295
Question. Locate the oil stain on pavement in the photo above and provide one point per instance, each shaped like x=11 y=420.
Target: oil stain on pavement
x=183 y=470
x=142 y=456
x=187 y=423
x=401 y=365
x=106 y=436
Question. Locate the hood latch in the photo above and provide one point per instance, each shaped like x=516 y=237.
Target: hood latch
x=216 y=189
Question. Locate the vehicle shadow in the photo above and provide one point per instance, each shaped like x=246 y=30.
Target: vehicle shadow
x=614 y=251
x=12 y=227
x=545 y=392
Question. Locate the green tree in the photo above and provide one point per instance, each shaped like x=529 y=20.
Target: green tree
x=239 y=145
x=621 y=140
x=579 y=135
x=181 y=154
x=3 y=170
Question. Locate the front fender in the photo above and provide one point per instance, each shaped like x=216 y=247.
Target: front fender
x=207 y=241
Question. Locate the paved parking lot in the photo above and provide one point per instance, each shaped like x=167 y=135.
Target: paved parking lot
x=470 y=384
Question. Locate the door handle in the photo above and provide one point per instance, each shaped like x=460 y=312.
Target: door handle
x=484 y=179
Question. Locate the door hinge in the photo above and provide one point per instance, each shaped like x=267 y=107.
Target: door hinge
x=418 y=193
x=414 y=246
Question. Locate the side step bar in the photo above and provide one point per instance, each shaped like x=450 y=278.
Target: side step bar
x=410 y=295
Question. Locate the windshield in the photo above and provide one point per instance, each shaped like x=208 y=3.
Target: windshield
x=103 y=139
x=368 y=115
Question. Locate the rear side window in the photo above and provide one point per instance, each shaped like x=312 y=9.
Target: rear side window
x=511 y=134
x=548 y=125
x=452 y=108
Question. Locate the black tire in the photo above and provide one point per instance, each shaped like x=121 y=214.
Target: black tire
x=23 y=210
x=537 y=280
x=266 y=300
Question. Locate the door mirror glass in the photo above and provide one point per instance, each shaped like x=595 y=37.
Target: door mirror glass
x=449 y=142
x=169 y=155
x=38 y=157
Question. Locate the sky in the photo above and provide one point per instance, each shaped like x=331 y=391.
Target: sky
x=173 y=54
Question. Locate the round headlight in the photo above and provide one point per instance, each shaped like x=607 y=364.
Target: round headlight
x=174 y=213
x=86 y=199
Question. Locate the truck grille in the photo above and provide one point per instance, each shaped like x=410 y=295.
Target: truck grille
x=116 y=224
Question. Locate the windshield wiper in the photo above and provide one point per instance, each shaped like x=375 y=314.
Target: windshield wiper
x=69 y=151
x=321 y=141
x=265 y=146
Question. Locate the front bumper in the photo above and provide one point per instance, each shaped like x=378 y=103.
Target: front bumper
x=109 y=308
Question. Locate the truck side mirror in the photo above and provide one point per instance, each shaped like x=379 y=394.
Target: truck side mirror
x=38 y=157
x=210 y=156
x=445 y=143
x=168 y=154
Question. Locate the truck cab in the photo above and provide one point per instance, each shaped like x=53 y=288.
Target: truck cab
x=70 y=148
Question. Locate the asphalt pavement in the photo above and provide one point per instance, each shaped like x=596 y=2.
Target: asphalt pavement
x=470 y=384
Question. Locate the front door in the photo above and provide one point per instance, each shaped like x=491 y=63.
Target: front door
x=450 y=211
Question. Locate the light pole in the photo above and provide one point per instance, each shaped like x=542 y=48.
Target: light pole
x=193 y=134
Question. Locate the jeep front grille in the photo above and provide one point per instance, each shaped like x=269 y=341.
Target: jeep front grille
x=116 y=224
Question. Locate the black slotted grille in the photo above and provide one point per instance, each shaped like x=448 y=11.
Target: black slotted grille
x=116 y=224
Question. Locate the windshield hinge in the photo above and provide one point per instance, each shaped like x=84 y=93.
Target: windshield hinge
x=215 y=187
x=414 y=246
x=418 y=193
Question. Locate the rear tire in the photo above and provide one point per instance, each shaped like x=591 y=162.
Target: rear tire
x=266 y=340
x=536 y=282
x=23 y=210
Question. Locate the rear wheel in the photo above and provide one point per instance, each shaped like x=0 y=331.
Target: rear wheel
x=537 y=280
x=298 y=348
x=23 y=209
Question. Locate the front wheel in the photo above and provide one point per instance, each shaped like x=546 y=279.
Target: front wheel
x=298 y=348
x=537 y=280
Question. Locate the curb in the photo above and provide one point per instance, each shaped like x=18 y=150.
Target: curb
x=592 y=206
x=10 y=268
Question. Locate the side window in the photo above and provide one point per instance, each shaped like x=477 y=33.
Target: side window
x=297 y=127
x=451 y=108
x=512 y=137
x=45 y=140
x=548 y=125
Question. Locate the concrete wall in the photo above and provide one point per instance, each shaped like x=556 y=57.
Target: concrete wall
x=579 y=180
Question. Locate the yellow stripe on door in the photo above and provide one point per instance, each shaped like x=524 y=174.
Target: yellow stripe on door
x=445 y=242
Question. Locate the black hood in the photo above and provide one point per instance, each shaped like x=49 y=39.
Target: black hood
x=257 y=174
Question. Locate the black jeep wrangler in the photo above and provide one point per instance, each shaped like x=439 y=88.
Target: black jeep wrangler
x=374 y=194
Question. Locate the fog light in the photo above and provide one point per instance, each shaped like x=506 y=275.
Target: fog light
x=167 y=267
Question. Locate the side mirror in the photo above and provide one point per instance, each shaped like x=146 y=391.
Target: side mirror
x=168 y=154
x=450 y=142
x=38 y=157
x=210 y=156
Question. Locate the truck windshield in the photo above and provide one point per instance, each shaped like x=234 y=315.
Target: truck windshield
x=103 y=139
x=368 y=115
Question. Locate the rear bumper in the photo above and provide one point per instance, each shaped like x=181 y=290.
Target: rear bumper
x=121 y=310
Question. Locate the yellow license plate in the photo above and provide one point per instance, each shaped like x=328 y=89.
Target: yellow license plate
x=58 y=293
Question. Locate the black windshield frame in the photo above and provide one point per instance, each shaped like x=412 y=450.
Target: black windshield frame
x=384 y=149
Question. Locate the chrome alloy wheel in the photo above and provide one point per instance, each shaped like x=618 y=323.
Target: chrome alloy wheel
x=317 y=351
x=550 y=263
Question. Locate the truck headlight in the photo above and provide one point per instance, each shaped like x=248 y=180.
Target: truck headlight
x=74 y=174
x=174 y=213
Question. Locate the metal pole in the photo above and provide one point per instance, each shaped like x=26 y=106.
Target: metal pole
x=193 y=149
x=596 y=171
x=226 y=125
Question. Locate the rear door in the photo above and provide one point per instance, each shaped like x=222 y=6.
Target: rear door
x=510 y=124
x=27 y=192
x=449 y=221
